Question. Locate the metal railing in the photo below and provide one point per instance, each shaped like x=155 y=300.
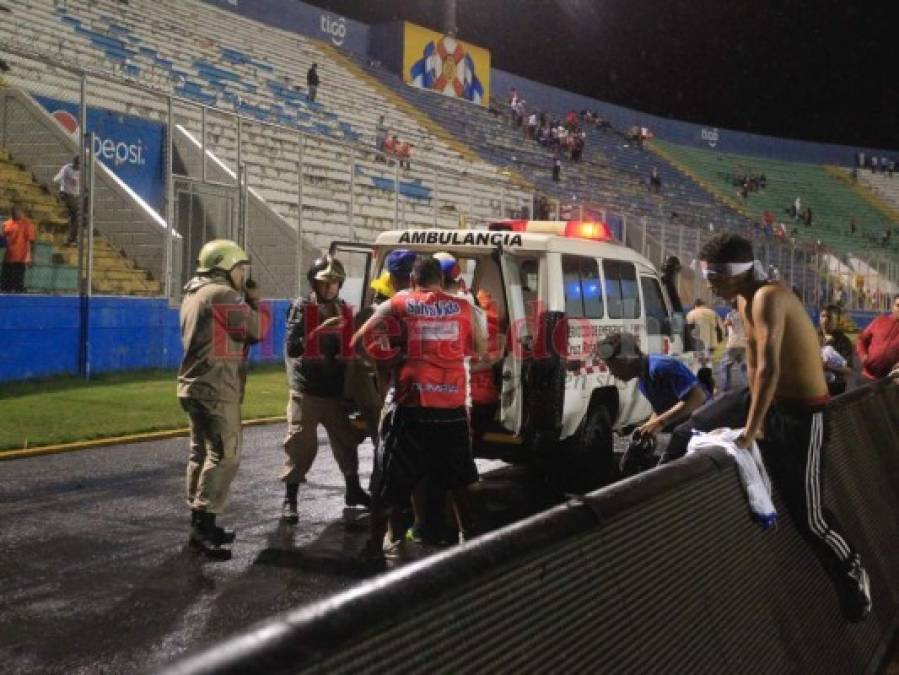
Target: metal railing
x=297 y=190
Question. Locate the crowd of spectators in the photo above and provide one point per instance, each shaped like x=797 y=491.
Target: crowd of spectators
x=875 y=164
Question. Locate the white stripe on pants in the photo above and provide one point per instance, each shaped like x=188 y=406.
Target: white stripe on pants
x=813 y=491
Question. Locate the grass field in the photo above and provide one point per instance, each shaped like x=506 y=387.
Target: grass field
x=67 y=409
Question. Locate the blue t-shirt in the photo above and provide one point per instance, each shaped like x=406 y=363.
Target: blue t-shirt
x=666 y=381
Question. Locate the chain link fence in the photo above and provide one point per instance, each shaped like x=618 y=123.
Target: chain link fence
x=189 y=172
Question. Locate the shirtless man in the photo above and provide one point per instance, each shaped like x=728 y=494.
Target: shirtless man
x=783 y=408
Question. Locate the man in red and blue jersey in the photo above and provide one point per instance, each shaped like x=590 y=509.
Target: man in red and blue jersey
x=425 y=433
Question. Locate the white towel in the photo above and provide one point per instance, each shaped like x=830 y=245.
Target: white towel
x=750 y=466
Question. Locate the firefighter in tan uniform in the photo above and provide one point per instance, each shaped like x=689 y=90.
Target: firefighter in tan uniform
x=220 y=318
x=319 y=327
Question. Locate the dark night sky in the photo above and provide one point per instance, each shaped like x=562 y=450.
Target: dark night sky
x=824 y=70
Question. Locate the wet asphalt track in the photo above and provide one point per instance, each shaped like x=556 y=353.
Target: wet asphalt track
x=96 y=577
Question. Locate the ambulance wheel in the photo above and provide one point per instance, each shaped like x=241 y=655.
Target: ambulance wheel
x=590 y=452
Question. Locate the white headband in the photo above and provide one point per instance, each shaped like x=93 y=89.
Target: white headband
x=734 y=269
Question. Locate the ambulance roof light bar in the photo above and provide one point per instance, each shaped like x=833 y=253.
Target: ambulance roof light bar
x=581 y=229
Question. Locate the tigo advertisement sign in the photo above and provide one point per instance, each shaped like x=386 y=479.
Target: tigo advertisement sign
x=446 y=65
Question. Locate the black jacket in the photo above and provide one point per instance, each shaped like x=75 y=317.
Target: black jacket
x=321 y=372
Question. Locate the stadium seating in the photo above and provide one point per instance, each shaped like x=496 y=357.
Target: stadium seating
x=832 y=199
x=613 y=174
x=55 y=267
x=197 y=52
x=884 y=186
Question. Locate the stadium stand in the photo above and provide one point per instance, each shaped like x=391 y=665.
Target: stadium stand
x=196 y=52
x=470 y=164
x=55 y=267
x=882 y=186
x=833 y=202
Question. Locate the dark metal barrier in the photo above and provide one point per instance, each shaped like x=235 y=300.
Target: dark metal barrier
x=663 y=572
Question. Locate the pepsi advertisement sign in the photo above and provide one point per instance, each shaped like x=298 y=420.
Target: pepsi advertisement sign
x=131 y=147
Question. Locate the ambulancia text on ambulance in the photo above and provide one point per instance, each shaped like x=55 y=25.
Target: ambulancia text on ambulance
x=555 y=287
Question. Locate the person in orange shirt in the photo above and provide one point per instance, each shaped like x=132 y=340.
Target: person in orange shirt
x=19 y=234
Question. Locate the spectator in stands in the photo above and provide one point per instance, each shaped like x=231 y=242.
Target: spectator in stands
x=380 y=134
x=532 y=126
x=671 y=388
x=636 y=135
x=878 y=344
x=784 y=408
x=390 y=145
x=557 y=168
x=836 y=371
x=69 y=182
x=797 y=208
x=577 y=140
x=404 y=151
x=19 y=234
x=312 y=82
x=655 y=181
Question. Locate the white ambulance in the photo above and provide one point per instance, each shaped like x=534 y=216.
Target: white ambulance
x=557 y=287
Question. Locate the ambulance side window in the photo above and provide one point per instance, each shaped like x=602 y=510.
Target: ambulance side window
x=583 y=291
x=621 y=289
x=657 y=321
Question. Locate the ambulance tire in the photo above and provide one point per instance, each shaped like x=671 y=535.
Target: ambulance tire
x=589 y=454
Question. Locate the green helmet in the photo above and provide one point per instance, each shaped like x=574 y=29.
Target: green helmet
x=220 y=254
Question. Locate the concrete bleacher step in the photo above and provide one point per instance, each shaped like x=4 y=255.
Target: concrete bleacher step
x=55 y=268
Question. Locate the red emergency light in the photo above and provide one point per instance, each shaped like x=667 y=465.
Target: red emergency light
x=588 y=229
x=580 y=229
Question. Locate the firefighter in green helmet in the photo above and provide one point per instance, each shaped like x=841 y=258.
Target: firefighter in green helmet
x=221 y=316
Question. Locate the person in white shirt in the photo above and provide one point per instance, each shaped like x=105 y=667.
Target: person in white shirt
x=68 y=180
x=735 y=347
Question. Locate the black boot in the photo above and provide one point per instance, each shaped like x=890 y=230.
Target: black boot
x=289 y=506
x=206 y=539
x=355 y=495
x=222 y=535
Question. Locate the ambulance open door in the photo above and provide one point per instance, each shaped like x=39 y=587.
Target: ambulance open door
x=519 y=343
x=357 y=261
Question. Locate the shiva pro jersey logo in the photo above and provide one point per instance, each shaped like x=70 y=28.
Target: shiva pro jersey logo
x=440 y=308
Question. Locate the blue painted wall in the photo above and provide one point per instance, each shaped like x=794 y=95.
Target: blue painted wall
x=305 y=19
x=39 y=335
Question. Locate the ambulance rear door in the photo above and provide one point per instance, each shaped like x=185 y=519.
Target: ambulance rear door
x=520 y=342
x=357 y=260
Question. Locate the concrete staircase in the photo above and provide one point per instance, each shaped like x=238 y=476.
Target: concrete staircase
x=55 y=268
